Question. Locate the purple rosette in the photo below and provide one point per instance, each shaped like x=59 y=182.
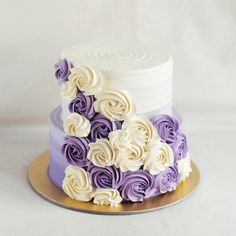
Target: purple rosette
x=180 y=147
x=62 y=70
x=107 y=177
x=137 y=186
x=75 y=150
x=167 y=180
x=167 y=127
x=102 y=126
x=83 y=105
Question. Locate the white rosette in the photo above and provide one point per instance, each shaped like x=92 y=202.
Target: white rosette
x=129 y=155
x=87 y=79
x=108 y=197
x=68 y=90
x=77 y=184
x=115 y=104
x=141 y=130
x=76 y=125
x=184 y=167
x=101 y=153
x=160 y=156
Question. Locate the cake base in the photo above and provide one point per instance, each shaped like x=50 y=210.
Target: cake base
x=40 y=182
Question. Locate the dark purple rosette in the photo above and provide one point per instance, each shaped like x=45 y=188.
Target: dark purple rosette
x=62 y=70
x=102 y=126
x=107 y=177
x=167 y=127
x=75 y=150
x=180 y=147
x=167 y=180
x=137 y=186
x=83 y=105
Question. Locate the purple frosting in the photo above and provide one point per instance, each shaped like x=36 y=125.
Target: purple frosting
x=107 y=177
x=167 y=180
x=137 y=186
x=83 y=105
x=75 y=150
x=62 y=70
x=167 y=127
x=102 y=126
x=180 y=147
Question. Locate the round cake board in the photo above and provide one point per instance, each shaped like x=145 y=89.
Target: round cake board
x=40 y=182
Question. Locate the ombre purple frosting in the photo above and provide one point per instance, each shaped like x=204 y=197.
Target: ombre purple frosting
x=167 y=180
x=102 y=126
x=107 y=177
x=167 y=127
x=62 y=72
x=137 y=186
x=83 y=105
x=75 y=150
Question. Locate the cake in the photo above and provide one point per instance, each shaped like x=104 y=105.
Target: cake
x=116 y=138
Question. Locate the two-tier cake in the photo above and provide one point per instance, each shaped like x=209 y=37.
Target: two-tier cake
x=115 y=137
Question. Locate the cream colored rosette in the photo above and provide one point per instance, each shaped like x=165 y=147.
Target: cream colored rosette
x=101 y=153
x=160 y=156
x=129 y=155
x=87 y=79
x=77 y=184
x=76 y=125
x=109 y=197
x=68 y=90
x=184 y=167
x=141 y=130
x=115 y=104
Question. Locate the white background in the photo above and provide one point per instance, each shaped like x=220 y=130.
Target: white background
x=201 y=36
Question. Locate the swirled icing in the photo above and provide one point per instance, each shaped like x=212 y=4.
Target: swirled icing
x=143 y=71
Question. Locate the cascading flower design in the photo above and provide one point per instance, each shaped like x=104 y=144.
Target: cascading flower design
x=113 y=154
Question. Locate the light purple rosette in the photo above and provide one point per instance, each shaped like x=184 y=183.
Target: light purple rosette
x=167 y=180
x=107 y=177
x=83 y=105
x=102 y=126
x=167 y=127
x=62 y=72
x=180 y=147
x=137 y=186
x=75 y=150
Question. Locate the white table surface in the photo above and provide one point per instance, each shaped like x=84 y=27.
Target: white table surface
x=210 y=210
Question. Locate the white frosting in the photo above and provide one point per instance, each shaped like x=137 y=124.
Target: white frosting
x=184 y=167
x=109 y=197
x=77 y=184
x=101 y=153
x=129 y=155
x=141 y=130
x=68 y=90
x=114 y=104
x=160 y=156
x=144 y=72
x=76 y=125
x=87 y=79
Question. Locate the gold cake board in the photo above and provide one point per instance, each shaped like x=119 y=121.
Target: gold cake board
x=39 y=180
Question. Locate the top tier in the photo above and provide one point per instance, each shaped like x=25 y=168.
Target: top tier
x=144 y=72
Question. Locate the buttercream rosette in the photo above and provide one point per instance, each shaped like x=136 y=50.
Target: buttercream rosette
x=87 y=79
x=83 y=105
x=62 y=70
x=77 y=184
x=108 y=197
x=75 y=150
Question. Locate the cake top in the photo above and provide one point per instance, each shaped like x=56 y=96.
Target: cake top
x=118 y=56
x=143 y=71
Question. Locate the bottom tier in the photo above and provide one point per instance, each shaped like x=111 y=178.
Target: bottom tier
x=102 y=183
